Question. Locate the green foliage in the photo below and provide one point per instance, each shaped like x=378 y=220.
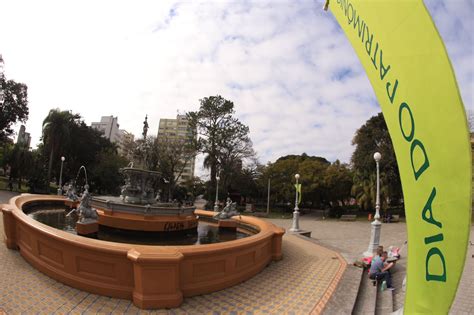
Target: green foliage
x=338 y=182
x=104 y=176
x=195 y=187
x=373 y=137
x=57 y=135
x=18 y=158
x=323 y=183
x=37 y=173
x=15 y=106
x=175 y=155
x=65 y=134
x=223 y=139
x=169 y=155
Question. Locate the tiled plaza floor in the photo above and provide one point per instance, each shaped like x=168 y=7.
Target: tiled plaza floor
x=294 y=285
x=351 y=239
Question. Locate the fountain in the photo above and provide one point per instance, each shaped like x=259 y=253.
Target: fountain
x=152 y=276
x=137 y=208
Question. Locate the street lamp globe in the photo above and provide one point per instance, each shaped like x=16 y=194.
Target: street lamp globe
x=218 y=178
x=377 y=156
x=63 y=158
x=297 y=176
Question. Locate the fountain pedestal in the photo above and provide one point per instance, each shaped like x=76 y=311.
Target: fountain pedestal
x=87 y=228
x=227 y=224
x=71 y=204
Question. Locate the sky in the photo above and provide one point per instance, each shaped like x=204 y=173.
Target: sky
x=287 y=66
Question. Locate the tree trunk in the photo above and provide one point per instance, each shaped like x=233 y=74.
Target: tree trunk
x=213 y=172
x=50 y=165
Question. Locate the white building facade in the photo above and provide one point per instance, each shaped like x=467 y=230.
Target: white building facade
x=178 y=130
x=109 y=127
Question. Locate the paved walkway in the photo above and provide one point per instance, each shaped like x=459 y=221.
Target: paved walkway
x=351 y=239
x=304 y=279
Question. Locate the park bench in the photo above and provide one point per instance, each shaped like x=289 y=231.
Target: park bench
x=348 y=217
x=391 y=219
x=395 y=218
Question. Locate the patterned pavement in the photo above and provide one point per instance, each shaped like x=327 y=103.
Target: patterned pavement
x=300 y=283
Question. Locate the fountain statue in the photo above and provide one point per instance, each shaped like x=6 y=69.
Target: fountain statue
x=228 y=212
x=86 y=213
x=71 y=193
x=140 y=184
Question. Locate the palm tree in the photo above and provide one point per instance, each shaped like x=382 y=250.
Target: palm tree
x=364 y=191
x=56 y=131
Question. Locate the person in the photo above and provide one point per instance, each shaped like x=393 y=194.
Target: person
x=379 y=269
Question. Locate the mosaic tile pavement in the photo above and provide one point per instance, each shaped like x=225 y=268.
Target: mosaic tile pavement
x=301 y=283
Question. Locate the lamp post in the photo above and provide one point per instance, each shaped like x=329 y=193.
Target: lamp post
x=376 y=224
x=60 y=188
x=296 y=214
x=216 y=206
x=268 y=197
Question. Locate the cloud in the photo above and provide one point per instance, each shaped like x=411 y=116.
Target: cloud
x=291 y=73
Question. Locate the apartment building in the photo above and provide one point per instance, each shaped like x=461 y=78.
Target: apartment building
x=109 y=127
x=24 y=138
x=174 y=131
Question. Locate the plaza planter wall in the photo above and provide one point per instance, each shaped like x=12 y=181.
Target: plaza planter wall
x=152 y=276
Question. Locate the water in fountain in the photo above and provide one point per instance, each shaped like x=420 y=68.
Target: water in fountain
x=206 y=233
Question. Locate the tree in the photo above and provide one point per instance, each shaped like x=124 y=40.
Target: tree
x=169 y=155
x=104 y=172
x=65 y=134
x=13 y=104
x=233 y=153
x=470 y=120
x=56 y=134
x=173 y=155
x=338 y=181
x=36 y=172
x=312 y=170
x=19 y=159
x=373 y=137
x=222 y=137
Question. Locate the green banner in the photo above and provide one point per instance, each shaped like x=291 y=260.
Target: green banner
x=409 y=69
x=298 y=190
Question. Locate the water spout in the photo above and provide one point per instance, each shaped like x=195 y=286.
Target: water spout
x=69 y=213
x=85 y=173
x=130 y=165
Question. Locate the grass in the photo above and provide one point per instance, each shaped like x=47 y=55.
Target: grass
x=4 y=185
x=24 y=186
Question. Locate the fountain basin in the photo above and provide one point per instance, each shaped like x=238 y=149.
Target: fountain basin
x=151 y=276
x=159 y=217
